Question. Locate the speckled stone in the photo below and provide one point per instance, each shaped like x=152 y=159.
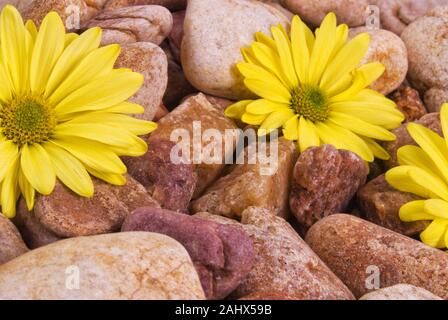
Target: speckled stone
x=435 y=98
x=66 y=214
x=149 y=60
x=11 y=243
x=173 y=5
x=214 y=33
x=172 y=185
x=284 y=262
x=324 y=181
x=68 y=10
x=121 y=266
x=248 y=185
x=34 y=234
x=397 y=14
x=349 y=245
x=222 y=254
x=409 y=103
x=430 y=120
x=210 y=116
x=387 y=48
x=427 y=47
x=380 y=203
x=351 y=12
x=400 y=292
x=133 y=24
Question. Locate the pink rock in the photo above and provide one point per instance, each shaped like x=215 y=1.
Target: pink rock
x=324 y=181
x=222 y=254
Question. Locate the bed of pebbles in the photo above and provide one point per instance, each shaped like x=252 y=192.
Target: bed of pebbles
x=322 y=227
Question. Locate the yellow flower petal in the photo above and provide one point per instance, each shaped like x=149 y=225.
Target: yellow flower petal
x=364 y=76
x=341 y=39
x=263 y=106
x=10 y=192
x=32 y=29
x=284 y=51
x=38 y=168
x=69 y=170
x=378 y=151
x=291 y=129
x=275 y=120
x=69 y=38
x=253 y=119
x=27 y=190
x=344 y=139
x=251 y=71
x=434 y=234
x=15 y=48
x=9 y=152
x=325 y=41
x=115 y=179
x=417 y=181
x=360 y=127
x=268 y=90
x=346 y=60
x=104 y=92
x=93 y=154
x=265 y=39
x=48 y=47
x=414 y=211
x=444 y=120
x=94 y=66
x=119 y=121
x=300 y=51
x=308 y=136
x=236 y=110
x=415 y=156
x=434 y=146
x=73 y=54
x=437 y=208
x=269 y=60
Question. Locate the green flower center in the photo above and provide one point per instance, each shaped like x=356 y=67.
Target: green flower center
x=310 y=103
x=27 y=120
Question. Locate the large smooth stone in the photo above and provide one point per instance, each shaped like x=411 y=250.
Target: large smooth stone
x=214 y=33
x=131 y=265
x=363 y=254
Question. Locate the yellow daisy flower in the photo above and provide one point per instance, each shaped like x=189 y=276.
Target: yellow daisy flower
x=423 y=171
x=315 y=89
x=63 y=110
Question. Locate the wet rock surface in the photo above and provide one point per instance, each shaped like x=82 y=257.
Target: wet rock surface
x=222 y=254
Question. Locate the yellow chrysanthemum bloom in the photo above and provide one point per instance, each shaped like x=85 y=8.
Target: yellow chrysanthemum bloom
x=63 y=110
x=423 y=171
x=314 y=87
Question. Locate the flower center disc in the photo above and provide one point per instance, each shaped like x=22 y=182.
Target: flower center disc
x=310 y=103
x=27 y=120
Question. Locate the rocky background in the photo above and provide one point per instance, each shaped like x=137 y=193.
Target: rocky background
x=227 y=231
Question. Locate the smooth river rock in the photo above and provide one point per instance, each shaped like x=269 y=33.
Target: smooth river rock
x=400 y=292
x=363 y=254
x=214 y=33
x=11 y=243
x=128 y=266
